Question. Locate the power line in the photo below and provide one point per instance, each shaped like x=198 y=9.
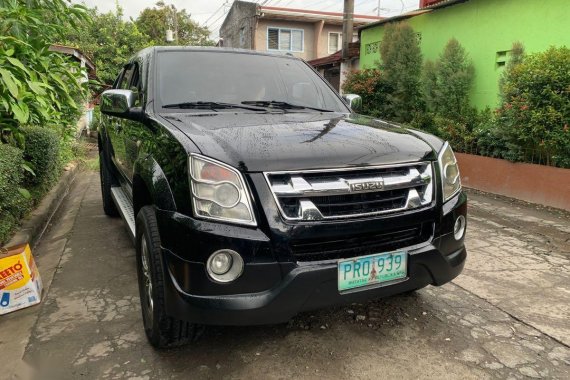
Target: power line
x=213 y=14
x=224 y=13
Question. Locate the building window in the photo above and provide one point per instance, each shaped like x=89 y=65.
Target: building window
x=285 y=39
x=335 y=42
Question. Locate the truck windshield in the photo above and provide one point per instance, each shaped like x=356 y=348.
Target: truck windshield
x=186 y=77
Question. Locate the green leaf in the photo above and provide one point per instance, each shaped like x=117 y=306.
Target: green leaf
x=27 y=168
x=16 y=62
x=36 y=87
x=25 y=193
x=20 y=139
x=11 y=82
x=10 y=52
x=58 y=80
x=21 y=112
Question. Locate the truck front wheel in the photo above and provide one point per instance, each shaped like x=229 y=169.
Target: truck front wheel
x=161 y=330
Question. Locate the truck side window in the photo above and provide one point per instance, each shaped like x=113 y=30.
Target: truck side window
x=118 y=80
x=135 y=84
x=127 y=77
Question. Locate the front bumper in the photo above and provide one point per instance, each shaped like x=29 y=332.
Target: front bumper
x=307 y=287
x=273 y=289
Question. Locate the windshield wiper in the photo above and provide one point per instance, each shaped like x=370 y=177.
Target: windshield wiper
x=281 y=105
x=209 y=106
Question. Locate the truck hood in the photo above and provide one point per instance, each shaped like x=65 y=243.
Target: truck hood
x=255 y=142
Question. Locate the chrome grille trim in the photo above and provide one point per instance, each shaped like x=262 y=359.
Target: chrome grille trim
x=299 y=186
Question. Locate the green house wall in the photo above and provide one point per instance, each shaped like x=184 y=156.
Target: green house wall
x=487 y=30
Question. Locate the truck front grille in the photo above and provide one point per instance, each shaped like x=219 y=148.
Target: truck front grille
x=361 y=245
x=337 y=194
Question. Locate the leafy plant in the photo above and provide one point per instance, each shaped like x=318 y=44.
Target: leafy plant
x=371 y=85
x=37 y=86
x=402 y=67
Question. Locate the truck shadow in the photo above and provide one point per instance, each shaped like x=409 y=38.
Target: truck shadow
x=384 y=316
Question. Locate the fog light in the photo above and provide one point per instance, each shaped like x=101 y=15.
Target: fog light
x=221 y=263
x=224 y=265
x=459 y=228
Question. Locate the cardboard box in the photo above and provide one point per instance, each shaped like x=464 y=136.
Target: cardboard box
x=20 y=282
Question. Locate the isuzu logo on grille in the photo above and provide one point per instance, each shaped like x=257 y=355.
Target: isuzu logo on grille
x=365 y=186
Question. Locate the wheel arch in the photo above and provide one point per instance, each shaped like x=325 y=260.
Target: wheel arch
x=151 y=187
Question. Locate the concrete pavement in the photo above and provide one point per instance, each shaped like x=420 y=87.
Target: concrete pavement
x=506 y=316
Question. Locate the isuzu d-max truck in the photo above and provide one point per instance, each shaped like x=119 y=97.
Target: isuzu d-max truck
x=253 y=191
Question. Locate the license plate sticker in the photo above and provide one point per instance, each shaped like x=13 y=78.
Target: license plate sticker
x=372 y=269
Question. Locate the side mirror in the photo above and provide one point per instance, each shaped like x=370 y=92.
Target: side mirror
x=119 y=103
x=353 y=101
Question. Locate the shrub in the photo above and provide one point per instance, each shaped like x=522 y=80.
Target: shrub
x=42 y=152
x=371 y=86
x=492 y=141
x=402 y=67
x=447 y=82
x=459 y=133
x=12 y=203
x=535 y=110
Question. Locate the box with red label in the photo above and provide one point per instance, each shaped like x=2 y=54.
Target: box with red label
x=20 y=282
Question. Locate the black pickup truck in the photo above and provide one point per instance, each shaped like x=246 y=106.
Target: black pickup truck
x=252 y=192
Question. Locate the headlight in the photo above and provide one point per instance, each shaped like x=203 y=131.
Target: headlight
x=219 y=192
x=451 y=183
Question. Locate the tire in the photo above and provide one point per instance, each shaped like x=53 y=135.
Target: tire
x=106 y=176
x=161 y=330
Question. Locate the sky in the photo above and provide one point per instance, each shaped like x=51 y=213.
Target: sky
x=211 y=13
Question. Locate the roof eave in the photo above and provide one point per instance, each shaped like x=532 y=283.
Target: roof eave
x=414 y=13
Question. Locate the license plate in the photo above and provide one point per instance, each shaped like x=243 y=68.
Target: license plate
x=372 y=269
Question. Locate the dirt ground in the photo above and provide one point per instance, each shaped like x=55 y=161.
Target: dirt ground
x=506 y=316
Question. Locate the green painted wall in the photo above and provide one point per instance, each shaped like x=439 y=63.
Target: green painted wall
x=484 y=28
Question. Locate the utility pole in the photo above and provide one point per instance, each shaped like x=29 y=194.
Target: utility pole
x=378 y=9
x=347 y=26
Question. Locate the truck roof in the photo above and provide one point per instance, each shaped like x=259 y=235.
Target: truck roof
x=215 y=49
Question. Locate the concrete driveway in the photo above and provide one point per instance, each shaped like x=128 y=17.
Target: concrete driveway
x=506 y=316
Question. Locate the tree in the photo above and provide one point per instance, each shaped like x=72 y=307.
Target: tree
x=402 y=66
x=516 y=58
x=155 y=21
x=448 y=81
x=430 y=85
x=108 y=40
